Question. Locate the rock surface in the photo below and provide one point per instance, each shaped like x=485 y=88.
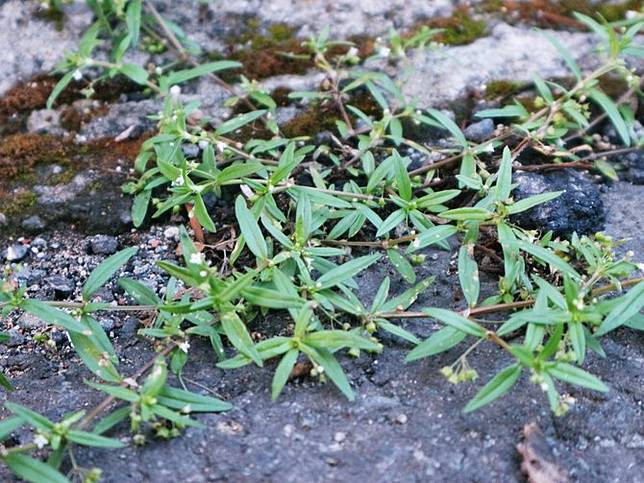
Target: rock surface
x=579 y=208
x=509 y=53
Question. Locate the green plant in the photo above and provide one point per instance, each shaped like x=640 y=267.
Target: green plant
x=308 y=215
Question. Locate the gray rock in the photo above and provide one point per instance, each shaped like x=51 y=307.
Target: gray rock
x=103 y=245
x=30 y=276
x=107 y=324
x=123 y=116
x=579 y=208
x=3 y=219
x=634 y=166
x=91 y=201
x=39 y=242
x=480 y=131
x=33 y=224
x=435 y=77
x=15 y=338
x=45 y=121
x=63 y=288
x=190 y=151
x=16 y=252
x=346 y=17
x=28 y=321
x=32 y=45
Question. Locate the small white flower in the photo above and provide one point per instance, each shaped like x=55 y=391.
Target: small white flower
x=353 y=52
x=196 y=258
x=184 y=346
x=78 y=75
x=203 y=273
x=384 y=51
x=175 y=91
x=221 y=147
x=40 y=441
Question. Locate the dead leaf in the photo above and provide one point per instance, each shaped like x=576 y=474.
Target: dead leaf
x=538 y=461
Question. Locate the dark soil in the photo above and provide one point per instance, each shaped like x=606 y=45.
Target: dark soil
x=407 y=423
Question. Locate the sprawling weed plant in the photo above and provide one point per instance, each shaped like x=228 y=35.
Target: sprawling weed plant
x=310 y=214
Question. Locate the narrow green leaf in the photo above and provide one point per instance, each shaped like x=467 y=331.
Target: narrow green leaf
x=201 y=212
x=465 y=214
x=610 y=108
x=346 y=271
x=250 y=229
x=504 y=176
x=397 y=331
x=59 y=88
x=549 y=257
x=9 y=425
x=629 y=306
x=116 y=391
x=180 y=76
x=468 y=274
x=574 y=375
x=565 y=55
x=140 y=207
x=450 y=125
x=135 y=72
x=332 y=369
x=111 y=420
x=432 y=236
x=527 y=203
x=104 y=271
x=283 y=371
x=239 y=121
x=402 y=265
x=139 y=292
x=52 y=315
x=239 y=337
x=391 y=222
x=133 y=20
x=457 y=321
x=33 y=470
x=402 y=178
x=36 y=420
x=497 y=387
x=91 y=439
x=181 y=399
x=440 y=341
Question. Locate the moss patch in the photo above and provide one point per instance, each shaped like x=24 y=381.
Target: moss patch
x=322 y=116
x=558 y=13
x=502 y=89
x=19 y=153
x=275 y=50
x=27 y=96
x=458 y=29
x=18 y=203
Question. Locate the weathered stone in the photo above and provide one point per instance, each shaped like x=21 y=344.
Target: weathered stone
x=435 y=77
x=16 y=252
x=29 y=321
x=579 y=208
x=480 y=131
x=33 y=224
x=103 y=245
x=62 y=287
